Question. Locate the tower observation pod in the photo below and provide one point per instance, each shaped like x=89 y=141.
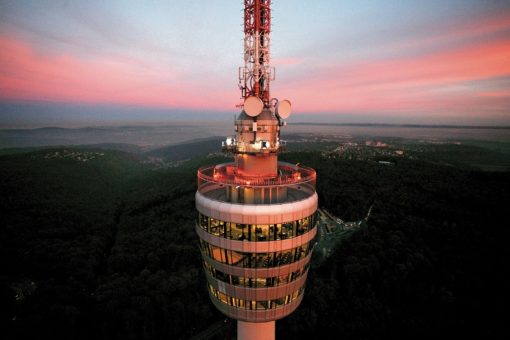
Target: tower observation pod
x=256 y=216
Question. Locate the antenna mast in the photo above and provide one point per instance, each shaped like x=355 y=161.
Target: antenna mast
x=256 y=75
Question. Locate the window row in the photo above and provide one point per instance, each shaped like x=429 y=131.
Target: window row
x=256 y=260
x=253 y=282
x=256 y=232
x=254 y=305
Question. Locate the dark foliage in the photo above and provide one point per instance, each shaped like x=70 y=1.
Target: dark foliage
x=106 y=249
x=431 y=262
x=99 y=249
x=187 y=150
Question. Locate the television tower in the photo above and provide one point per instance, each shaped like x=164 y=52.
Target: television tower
x=256 y=216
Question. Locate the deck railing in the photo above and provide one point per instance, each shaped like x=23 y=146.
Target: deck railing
x=299 y=180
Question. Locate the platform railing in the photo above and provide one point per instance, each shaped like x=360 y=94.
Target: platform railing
x=226 y=173
x=221 y=182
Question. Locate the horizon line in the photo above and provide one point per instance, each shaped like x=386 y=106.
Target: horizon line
x=135 y=123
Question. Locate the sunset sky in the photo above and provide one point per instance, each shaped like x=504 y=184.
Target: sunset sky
x=434 y=62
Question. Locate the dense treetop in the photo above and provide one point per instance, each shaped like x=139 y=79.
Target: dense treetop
x=105 y=248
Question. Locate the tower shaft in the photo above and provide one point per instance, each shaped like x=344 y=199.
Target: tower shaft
x=256 y=216
x=255 y=331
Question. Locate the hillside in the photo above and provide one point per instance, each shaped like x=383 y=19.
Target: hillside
x=430 y=262
x=187 y=150
x=98 y=244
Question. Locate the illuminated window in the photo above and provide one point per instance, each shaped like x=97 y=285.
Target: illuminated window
x=254 y=305
x=255 y=260
x=263 y=232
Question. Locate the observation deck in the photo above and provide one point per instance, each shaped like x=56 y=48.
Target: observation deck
x=222 y=183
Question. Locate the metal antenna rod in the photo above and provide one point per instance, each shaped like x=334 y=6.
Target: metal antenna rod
x=256 y=75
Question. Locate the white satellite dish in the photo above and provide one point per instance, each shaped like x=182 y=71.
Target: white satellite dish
x=284 y=109
x=253 y=106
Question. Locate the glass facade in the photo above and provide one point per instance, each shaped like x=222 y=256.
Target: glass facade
x=256 y=232
x=254 y=282
x=254 y=305
x=255 y=260
x=282 y=289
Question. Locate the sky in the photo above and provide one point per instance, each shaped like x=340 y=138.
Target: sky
x=430 y=62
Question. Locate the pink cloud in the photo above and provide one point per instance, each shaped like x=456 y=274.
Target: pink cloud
x=441 y=81
x=286 y=61
x=450 y=80
x=494 y=22
x=501 y=94
x=27 y=75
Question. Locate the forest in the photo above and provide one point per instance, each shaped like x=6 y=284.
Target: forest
x=431 y=261
x=106 y=249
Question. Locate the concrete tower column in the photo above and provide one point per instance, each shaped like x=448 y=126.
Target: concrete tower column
x=255 y=331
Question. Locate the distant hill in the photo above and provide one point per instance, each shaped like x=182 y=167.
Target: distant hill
x=146 y=137
x=187 y=150
x=129 y=148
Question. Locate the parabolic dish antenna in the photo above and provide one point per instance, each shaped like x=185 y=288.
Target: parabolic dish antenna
x=253 y=106
x=284 y=109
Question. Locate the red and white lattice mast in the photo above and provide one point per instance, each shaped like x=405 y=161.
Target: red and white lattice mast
x=256 y=220
x=256 y=75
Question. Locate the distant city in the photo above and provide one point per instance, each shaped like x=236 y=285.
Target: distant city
x=146 y=137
